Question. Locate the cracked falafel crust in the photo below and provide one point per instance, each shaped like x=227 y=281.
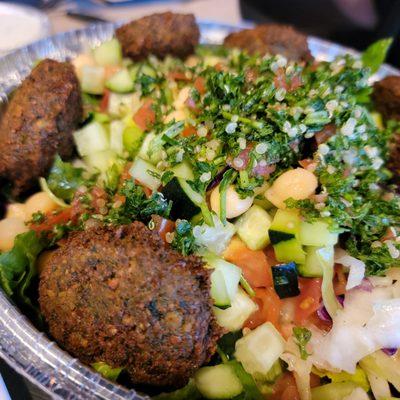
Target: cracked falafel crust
x=159 y=34
x=38 y=124
x=122 y=296
x=272 y=39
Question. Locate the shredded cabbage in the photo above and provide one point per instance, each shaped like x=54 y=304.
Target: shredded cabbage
x=214 y=238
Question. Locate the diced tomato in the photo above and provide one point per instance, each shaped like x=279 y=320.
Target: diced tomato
x=51 y=220
x=200 y=84
x=280 y=79
x=220 y=66
x=189 y=131
x=295 y=82
x=178 y=76
x=308 y=302
x=145 y=116
x=253 y=263
x=147 y=191
x=285 y=388
x=163 y=226
x=243 y=156
x=308 y=164
x=269 y=308
x=325 y=133
x=104 y=101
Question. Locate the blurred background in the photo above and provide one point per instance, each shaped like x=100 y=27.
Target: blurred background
x=354 y=23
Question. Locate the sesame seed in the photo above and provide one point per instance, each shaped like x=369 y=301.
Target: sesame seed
x=242 y=143
x=331 y=169
x=280 y=94
x=323 y=149
x=205 y=177
x=231 y=127
x=348 y=128
x=261 y=148
x=238 y=162
x=202 y=131
x=325 y=213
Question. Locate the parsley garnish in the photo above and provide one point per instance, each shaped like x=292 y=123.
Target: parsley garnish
x=302 y=337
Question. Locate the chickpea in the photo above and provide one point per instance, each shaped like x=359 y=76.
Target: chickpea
x=235 y=206
x=16 y=210
x=298 y=184
x=9 y=229
x=39 y=202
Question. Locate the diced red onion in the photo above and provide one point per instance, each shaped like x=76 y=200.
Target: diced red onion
x=390 y=352
x=365 y=285
x=322 y=312
x=215 y=182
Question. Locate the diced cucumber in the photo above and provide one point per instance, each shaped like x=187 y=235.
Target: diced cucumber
x=317 y=234
x=92 y=138
x=260 y=349
x=182 y=205
x=116 y=136
x=132 y=137
x=237 y=314
x=252 y=227
x=285 y=280
x=101 y=160
x=146 y=174
x=144 y=149
x=224 y=281
x=120 y=104
x=333 y=391
x=285 y=226
x=121 y=82
x=312 y=267
x=92 y=79
x=263 y=202
x=183 y=170
x=218 y=382
x=194 y=196
x=108 y=53
x=290 y=250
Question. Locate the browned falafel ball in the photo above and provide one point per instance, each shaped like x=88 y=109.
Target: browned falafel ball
x=38 y=123
x=272 y=39
x=386 y=96
x=159 y=34
x=122 y=296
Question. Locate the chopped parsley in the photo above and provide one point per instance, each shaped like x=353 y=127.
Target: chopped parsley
x=302 y=336
x=183 y=240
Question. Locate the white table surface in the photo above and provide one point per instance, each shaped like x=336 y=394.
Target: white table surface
x=226 y=11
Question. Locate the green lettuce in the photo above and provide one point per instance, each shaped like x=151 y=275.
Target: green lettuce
x=107 y=371
x=17 y=266
x=374 y=56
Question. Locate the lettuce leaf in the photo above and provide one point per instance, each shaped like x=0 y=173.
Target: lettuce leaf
x=374 y=56
x=64 y=179
x=17 y=266
x=107 y=371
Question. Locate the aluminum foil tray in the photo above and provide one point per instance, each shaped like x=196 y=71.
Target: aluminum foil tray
x=28 y=351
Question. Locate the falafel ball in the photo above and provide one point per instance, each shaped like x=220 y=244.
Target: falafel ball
x=159 y=34
x=386 y=96
x=272 y=39
x=122 y=296
x=38 y=124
